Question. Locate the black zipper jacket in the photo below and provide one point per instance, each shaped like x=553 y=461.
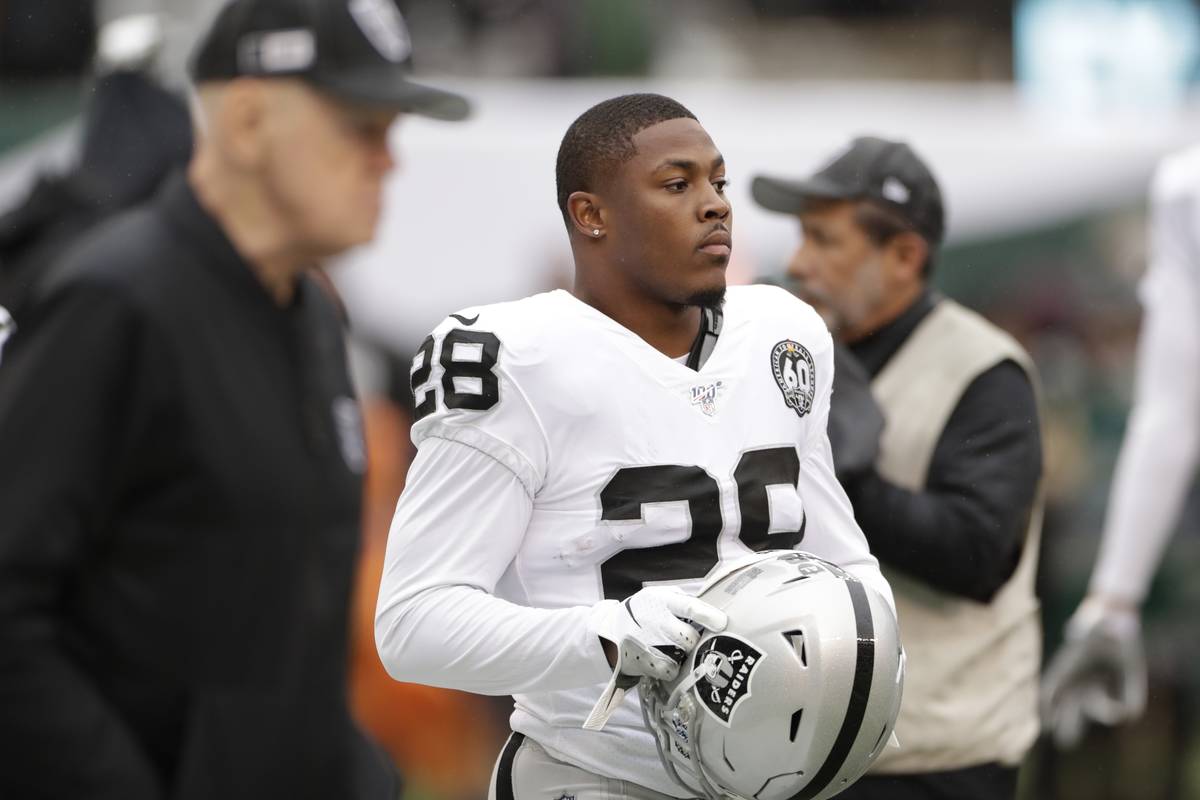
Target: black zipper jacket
x=180 y=478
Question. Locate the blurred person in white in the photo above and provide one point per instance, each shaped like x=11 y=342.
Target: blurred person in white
x=1099 y=673
x=950 y=502
x=586 y=458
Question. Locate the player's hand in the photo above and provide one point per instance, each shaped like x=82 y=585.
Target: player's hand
x=652 y=631
x=1099 y=674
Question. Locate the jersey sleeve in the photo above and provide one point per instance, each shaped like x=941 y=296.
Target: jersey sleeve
x=1162 y=441
x=466 y=389
x=458 y=527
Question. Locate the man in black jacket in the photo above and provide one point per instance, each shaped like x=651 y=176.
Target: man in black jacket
x=948 y=493
x=182 y=454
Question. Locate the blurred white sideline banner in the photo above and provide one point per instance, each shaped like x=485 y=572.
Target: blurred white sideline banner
x=471 y=216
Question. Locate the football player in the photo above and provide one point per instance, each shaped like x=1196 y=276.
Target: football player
x=586 y=458
x=1099 y=675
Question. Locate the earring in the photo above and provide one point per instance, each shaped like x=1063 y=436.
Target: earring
x=595 y=231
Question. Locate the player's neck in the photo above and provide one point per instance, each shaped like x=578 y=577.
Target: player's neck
x=668 y=328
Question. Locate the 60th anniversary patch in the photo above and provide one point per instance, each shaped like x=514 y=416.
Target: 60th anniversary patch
x=796 y=375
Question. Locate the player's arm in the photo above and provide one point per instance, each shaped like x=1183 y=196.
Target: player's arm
x=70 y=389
x=1162 y=444
x=458 y=526
x=457 y=531
x=1099 y=674
x=826 y=507
x=973 y=511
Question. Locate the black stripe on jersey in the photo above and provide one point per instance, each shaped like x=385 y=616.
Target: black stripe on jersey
x=860 y=692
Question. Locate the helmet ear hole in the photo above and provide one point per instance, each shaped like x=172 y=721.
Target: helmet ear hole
x=796 y=640
x=795 y=724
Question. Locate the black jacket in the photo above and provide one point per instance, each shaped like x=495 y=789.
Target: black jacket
x=964 y=531
x=180 y=464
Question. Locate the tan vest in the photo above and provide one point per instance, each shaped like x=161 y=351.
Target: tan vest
x=970 y=692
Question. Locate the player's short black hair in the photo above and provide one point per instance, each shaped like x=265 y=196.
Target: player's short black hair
x=601 y=139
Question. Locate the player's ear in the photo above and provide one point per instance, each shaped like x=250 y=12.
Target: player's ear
x=585 y=214
x=908 y=252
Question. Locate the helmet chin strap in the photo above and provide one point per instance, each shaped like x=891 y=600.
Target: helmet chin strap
x=659 y=718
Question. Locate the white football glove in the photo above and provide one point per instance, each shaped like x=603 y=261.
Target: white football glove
x=1098 y=675
x=653 y=630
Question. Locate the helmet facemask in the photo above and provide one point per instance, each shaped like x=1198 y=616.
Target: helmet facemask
x=676 y=720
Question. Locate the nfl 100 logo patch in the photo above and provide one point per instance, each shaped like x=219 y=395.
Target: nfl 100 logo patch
x=705 y=397
x=796 y=375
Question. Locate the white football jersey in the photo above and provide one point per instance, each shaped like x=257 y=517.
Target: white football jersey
x=562 y=461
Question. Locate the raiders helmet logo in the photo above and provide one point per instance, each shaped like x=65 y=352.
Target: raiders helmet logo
x=796 y=375
x=730 y=663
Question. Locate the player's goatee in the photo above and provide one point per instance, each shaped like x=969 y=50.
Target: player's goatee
x=709 y=298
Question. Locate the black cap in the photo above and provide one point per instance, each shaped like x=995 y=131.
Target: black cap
x=358 y=50
x=887 y=172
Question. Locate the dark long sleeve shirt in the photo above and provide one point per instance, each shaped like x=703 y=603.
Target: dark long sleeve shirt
x=180 y=464
x=963 y=533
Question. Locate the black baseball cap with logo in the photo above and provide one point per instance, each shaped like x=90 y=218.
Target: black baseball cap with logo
x=358 y=50
x=887 y=172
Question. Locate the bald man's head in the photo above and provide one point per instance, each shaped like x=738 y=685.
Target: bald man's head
x=317 y=162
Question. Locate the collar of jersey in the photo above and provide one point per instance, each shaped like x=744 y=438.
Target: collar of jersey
x=659 y=365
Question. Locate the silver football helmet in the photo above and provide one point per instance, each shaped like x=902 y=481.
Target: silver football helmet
x=795 y=699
